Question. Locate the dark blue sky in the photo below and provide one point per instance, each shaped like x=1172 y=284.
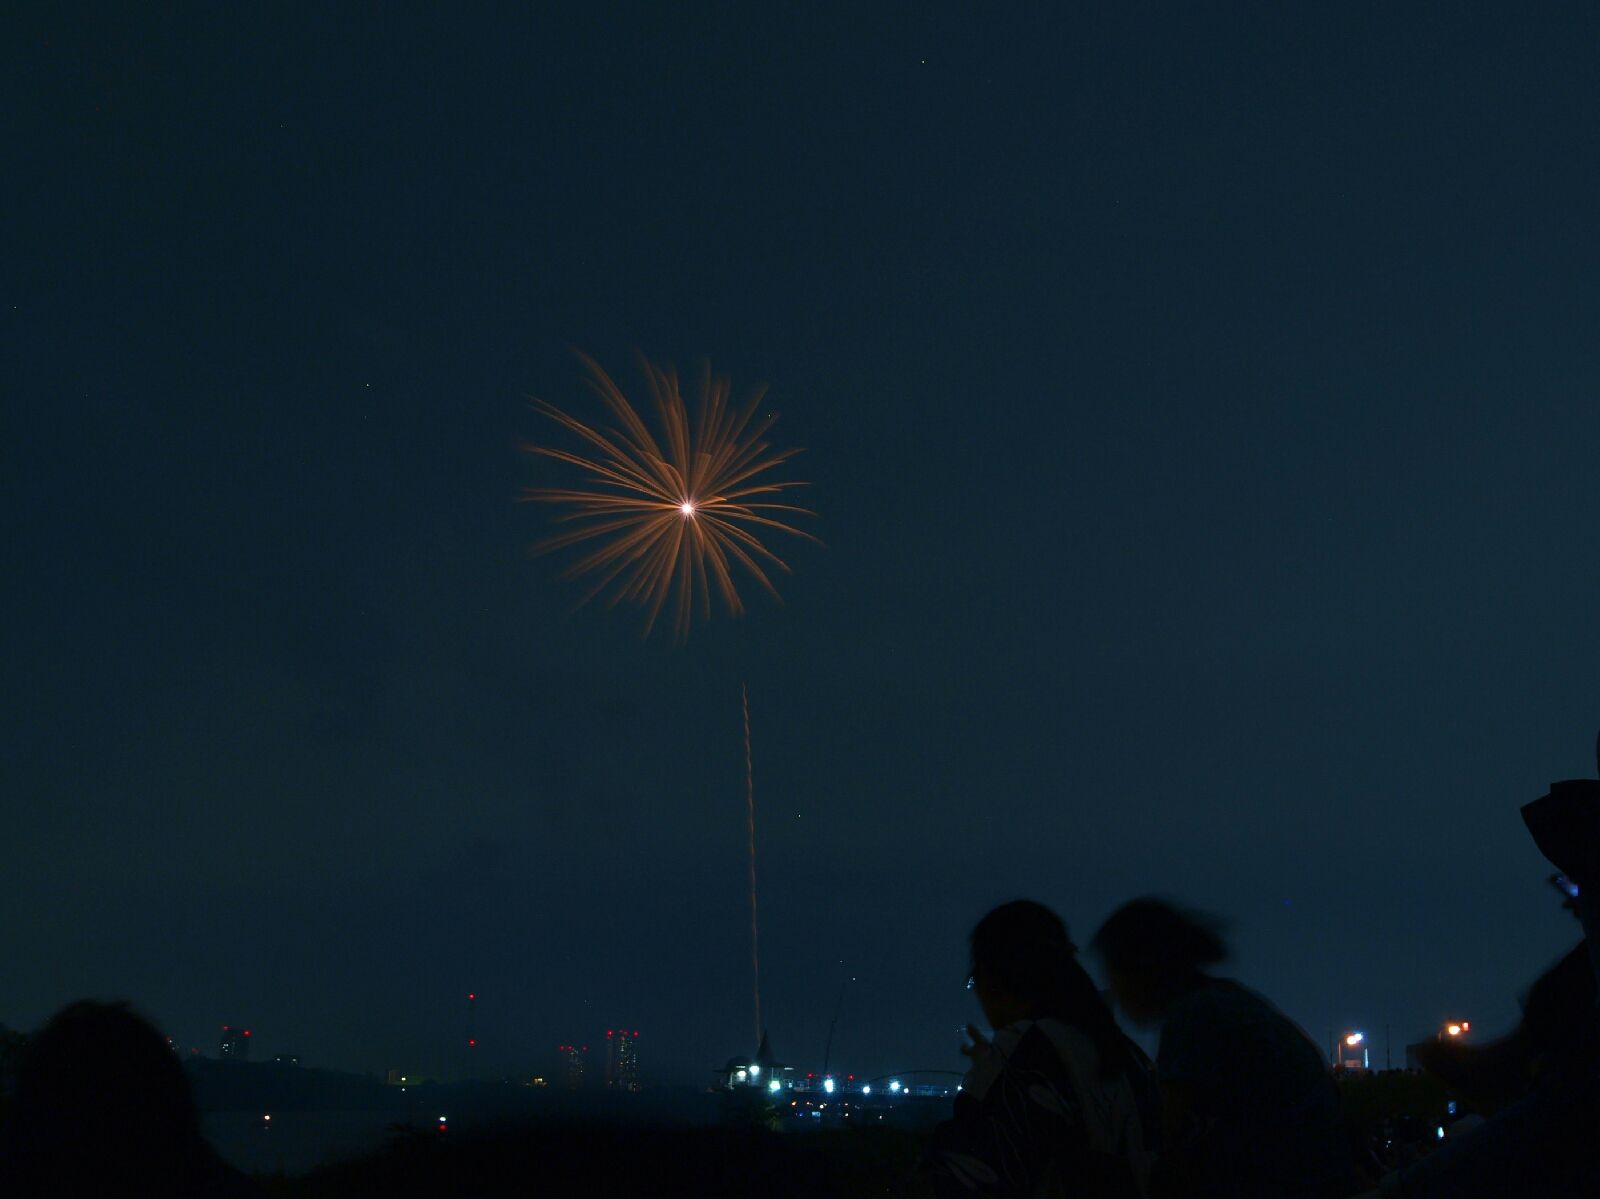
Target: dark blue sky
x=1201 y=410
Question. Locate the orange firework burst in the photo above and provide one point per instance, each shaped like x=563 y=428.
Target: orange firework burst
x=671 y=519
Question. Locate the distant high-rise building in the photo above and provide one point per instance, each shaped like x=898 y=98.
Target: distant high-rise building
x=622 y=1060
x=235 y=1044
x=570 y=1061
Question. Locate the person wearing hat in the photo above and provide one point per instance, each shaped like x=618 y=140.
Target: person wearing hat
x=1543 y=1142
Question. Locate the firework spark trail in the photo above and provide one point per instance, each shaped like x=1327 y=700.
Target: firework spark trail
x=750 y=823
x=670 y=519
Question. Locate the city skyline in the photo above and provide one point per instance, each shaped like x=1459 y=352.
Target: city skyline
x=568 y=1066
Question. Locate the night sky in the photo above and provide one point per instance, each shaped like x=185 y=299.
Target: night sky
x=1201 y=409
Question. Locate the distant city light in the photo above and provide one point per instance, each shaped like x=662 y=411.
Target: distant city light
x=267 y=1117
x=1354 y=1038
x=827 y=1085
x=755 y=1071
x=1453 y=1029
x=1439 y=1132
x=895 y=1086
x=774 y=1085
x=866 y=1090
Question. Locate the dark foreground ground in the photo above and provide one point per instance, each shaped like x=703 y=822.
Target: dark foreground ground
x=575 y=1160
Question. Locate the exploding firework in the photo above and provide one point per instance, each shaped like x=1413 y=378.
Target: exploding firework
x=671 y=519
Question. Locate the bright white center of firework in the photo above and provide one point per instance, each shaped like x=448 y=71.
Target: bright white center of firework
x=687 y=507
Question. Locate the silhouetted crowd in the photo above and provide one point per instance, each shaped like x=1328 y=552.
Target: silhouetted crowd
x=1238 y=1101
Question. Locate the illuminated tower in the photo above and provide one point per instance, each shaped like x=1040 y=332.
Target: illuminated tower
x=622 y=1060
x=570 y=1061
x=1353 y=1052
x=467 y=1055
x=235 y=1044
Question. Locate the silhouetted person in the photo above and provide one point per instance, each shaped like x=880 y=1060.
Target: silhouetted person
x=102 y=1107
x=1249 y=1108
x=1542 y=1143
x=1053 y=1105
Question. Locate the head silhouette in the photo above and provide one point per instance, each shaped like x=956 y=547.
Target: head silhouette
x=1025 y=966
x=1155 y=953
x=102 y=1102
